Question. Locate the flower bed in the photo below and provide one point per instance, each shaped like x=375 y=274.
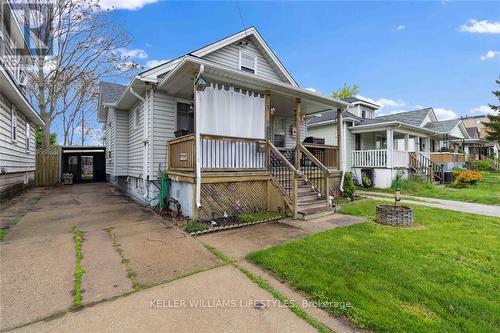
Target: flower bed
x=231 y=222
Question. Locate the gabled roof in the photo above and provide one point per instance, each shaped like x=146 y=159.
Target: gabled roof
x=110 y=92
x=443 y=126
x=415 y=118
x=473 y=132
x=356 y=100
x=247 y=33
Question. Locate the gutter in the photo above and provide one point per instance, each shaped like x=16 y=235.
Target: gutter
x=133 y=92
x=273 y=84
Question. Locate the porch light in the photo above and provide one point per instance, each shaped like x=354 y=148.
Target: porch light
x=201 y=84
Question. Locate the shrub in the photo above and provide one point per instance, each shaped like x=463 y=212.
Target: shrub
x=482 y=165
x=195 y=226
x=465 y=177
x=349 y=187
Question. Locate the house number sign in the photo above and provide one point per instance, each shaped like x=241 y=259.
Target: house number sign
x=183 y=156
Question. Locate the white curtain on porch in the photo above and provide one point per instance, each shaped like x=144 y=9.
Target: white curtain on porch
x=224 y=111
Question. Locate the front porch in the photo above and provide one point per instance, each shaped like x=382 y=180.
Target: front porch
x=390 y=148
x=245 y=147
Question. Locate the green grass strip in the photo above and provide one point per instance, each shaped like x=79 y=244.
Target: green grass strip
x=298 y=311
x=4 y=232
x=79 y=271
x=132 y=275
x=219 y=254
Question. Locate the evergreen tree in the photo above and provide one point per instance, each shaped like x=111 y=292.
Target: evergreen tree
x=493 y=126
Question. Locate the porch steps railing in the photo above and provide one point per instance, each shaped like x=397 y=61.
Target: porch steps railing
x=423 y=166
x=304 y=190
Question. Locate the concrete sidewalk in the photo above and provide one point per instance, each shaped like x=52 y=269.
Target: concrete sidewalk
x=191 y=304
x=459 y=206
x=236 y=244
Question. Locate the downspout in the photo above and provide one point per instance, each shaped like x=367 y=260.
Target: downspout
x=197 y=141
x=145 y=140
x=342 y=149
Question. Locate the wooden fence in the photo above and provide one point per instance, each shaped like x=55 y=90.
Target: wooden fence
x=48 y=166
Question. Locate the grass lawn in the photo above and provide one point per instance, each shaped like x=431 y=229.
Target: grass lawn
x=443 y=275
x=487 y=191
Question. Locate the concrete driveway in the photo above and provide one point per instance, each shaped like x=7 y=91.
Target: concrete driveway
x=38 y=256
x=126 y=245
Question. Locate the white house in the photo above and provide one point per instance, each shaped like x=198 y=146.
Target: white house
x=17 y=117
x=239 y=117
x=400 y=143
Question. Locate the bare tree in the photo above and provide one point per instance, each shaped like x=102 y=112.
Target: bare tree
x=84 y=50
x=77 y=100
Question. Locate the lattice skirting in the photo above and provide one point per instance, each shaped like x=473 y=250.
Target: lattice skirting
x=218 y=198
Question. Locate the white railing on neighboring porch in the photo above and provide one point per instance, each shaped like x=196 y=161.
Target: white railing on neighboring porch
x=369 y=158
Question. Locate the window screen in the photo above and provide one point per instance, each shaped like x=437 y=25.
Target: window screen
x=185 y=117
x=247 y=62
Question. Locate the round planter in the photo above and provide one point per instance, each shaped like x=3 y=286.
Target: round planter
x=395 y=215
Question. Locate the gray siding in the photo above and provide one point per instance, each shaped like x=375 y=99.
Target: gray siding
x=13 y=155
x=164 y=126
x=229 y=56
x=281 y=125
x=135 y=141
x=349 y=144
x=121 y=144
x=327 y=132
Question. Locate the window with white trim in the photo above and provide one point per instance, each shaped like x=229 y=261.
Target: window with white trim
x=13 y=125
x=248 y=62
x=27 y=137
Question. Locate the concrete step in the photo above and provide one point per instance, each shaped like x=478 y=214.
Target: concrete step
x=315 y=213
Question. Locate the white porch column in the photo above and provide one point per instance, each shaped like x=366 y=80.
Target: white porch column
x=407 y=148
x=390 y=147
x=427 y=147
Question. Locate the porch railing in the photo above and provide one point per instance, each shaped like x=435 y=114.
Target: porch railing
x=225 y=153
x=283 y=173
x=314 y=171
x=181 y=153
x=447 y=157
x=326 y=154
x=369 y=158
x=218 y=153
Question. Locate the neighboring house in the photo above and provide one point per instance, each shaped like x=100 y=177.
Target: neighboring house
x=17 y=117
x=239 y=117
x=478 y=147
x=382 y=147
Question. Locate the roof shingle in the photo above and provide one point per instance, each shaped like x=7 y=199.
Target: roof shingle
x=110 y=92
